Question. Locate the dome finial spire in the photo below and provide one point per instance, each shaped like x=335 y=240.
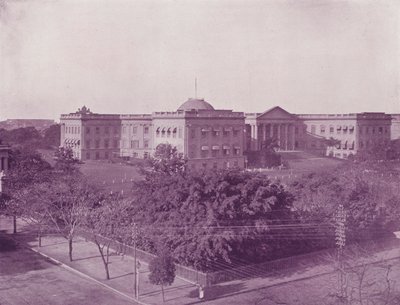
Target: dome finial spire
x=195 y=87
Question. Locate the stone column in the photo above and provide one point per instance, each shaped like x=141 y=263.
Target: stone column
x=294 y=136
x=286 y=136
x=271 y=130
x=279 y=136
x=256 y=136
x=251 y=137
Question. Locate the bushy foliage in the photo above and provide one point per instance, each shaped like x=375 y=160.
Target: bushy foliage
x=194 y=214
x=369 y=197
x=167 y=160
x=65 y=161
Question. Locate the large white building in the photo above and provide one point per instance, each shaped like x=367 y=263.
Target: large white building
x=213 y=138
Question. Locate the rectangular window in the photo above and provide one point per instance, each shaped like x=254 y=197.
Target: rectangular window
x=106 y=143
x=97 y=143
x=107 y=130
x=106 y=156
x=192 y=133
x=134 y=130
x=97 y=155
x=146 y=130
x=380 y=130
x=135 y=144
x=87 y=143
x=97 y=130
x=146 y=144
x=331 y=129
x=214 y=153
x=215 y=165
x=123 y=129
x=235 y=132
x=115 y=143
x=115 y=130
x=88 y=156
x=204 y=153
x=215 y=133
x=322 y=128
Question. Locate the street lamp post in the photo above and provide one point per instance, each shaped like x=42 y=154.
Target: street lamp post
x=134 y=237
x=137 y=278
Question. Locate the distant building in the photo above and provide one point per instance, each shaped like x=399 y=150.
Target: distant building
x=335 y=135
x=4 y=157
x=212 y=138
x=395 y=128
x=39 y=124
x=208 y=138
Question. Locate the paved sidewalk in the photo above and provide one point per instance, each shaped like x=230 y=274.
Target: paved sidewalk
x=88 y=261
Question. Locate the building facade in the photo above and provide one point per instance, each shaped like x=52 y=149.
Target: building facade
x=211 y=138
x=208 y=138
x=335 y=135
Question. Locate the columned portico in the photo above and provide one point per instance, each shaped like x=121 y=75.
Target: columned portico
x=276 y=124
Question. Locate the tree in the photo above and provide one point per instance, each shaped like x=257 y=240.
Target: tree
x=51 y=137
x=104 y=222
x=162 y=270
x=167 y=160
x=206 y=218
x=27 y=167
x=67 y=200
x=65 y=161
x=368 y=197
x=32 y=209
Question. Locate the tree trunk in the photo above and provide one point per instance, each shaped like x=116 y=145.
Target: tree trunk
x=162 y=291
x=15 y=224
x=70 y=248
x=104 y=257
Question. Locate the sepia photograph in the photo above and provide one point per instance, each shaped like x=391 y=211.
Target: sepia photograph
x=176 y=152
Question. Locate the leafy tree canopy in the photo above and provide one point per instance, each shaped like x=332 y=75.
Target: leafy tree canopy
x=193 y=214
x=167 y=160
x=65 y=160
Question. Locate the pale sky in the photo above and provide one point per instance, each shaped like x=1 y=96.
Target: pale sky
x=139 y=56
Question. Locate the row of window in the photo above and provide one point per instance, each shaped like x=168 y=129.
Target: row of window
x=339 y=129
x=215 y=132
x=214 y=165
x=134 y=129
x=168 y=132
x=373 y=130
x=214 y=151
x=350 y=129
x=135 y=144
x=106 y=129
x=72 y=129
x=107 y=143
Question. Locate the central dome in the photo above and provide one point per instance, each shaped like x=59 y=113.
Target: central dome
x=195 y=104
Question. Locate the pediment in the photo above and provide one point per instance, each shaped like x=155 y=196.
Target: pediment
x=276 y=113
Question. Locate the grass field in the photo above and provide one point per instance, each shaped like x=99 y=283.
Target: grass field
x=117 y=177
x=111 y=176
